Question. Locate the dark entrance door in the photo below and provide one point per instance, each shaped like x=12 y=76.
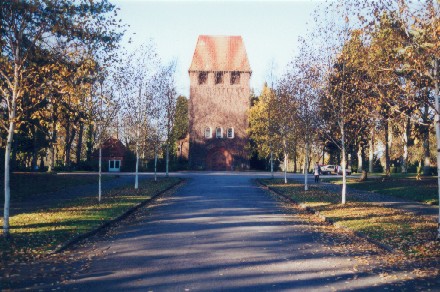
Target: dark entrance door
x=219 y=159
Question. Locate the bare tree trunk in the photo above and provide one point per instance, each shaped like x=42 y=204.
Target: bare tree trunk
x=387 y=150
x=80 y=142
x=13 y=163
x=66 y=139
x=52 y=148
x=343 y=164
x=89 y=143
x=100 y=173
x=406 y=134
x=360 y=158
x=136 y=180
x=7 y=177
x=371 y=152
x=306 y=167
x=155 y=163
x=70 y=136
x=426 y=152
x=437 y=133
x=42 y=161
x=295 y=167
x=10 y=138
x=286 y=156
x=271 y=163
x=167 y=158
x=34 y=148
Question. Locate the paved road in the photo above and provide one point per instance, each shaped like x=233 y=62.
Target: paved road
x=221 y=232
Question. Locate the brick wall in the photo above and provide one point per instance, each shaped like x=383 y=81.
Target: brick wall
x=218 y=105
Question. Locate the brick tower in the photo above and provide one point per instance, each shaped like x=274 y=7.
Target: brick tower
x=218 y=104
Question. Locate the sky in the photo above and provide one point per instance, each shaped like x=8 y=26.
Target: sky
x=270 y=31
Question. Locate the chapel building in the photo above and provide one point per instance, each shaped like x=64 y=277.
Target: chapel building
x=218 y=104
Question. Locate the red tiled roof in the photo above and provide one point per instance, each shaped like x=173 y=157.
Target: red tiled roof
x=111 y=148
x=220 y=53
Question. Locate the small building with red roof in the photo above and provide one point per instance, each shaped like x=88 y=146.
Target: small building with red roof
x=113 y=153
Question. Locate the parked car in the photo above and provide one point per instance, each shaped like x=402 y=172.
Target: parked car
x=347 y=170
x=334 y=169
x=328 y=169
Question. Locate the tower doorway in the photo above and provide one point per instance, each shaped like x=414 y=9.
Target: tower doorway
x=219 y=159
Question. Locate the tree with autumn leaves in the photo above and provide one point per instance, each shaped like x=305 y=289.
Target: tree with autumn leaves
x=378 y=73
x=38 y=40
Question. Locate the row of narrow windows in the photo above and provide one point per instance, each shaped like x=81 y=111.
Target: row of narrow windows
x=219 y=78
x=219 y=133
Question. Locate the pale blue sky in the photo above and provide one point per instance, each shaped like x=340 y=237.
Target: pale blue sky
x=270 y=30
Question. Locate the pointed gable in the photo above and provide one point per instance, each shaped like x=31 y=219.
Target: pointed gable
x=220 y=53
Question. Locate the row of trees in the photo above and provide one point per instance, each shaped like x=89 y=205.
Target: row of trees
x=52 y=53
x=365 y=83
x=66 y=86
x=147 y=89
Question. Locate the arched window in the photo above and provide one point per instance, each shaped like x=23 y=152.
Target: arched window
x=219 y=132
x=230 y=133
x=208 y=133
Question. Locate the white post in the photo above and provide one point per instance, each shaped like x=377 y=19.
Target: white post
x=100 y=173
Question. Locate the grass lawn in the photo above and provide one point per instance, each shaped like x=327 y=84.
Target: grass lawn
x=24 y=185
x=37 y=233
x=413 y=235
x=403 y=186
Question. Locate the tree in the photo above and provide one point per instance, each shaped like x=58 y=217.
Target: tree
x=181 y=120
x=299 y=114
x=135 y=79
x=263 y=125
x=345 y=98
x=26 y=26
x=283 y=122
x=106 y=107
x=165 y=104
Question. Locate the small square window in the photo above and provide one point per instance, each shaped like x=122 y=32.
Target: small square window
x=203 y=77
x=112 y=164
x=117 y=163
x=219 y=78
x=235 y=78
x=230 y=133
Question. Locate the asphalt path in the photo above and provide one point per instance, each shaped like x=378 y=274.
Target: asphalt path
x=221 y=232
